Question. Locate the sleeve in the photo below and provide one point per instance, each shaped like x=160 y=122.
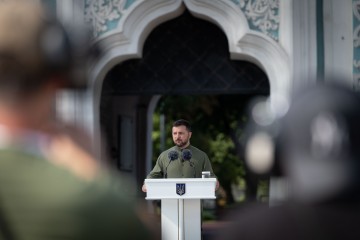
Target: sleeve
x=157 y=171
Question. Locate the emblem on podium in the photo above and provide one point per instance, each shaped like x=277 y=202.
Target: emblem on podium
x=180 y=189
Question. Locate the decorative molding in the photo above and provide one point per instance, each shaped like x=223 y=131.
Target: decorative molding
x=356 y=79
x=104 y=15
x=273 y=60
x=262 y=15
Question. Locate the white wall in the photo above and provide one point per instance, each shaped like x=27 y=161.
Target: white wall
x=338 y=40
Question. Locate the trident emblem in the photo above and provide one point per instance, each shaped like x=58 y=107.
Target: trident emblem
x=180 y=189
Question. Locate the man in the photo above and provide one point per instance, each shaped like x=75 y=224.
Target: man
x=182 y=160
x=51 y=187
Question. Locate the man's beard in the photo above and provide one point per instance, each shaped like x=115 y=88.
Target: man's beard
x=181 y=143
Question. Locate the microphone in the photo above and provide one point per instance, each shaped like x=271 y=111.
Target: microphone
x=172 y=155
x=192 y=164
x=186 y=156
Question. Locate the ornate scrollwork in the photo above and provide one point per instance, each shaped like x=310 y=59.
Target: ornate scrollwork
x=356 y=83
x=104 y=15
x=262 y=15
x=356 y=44
x=356 y=27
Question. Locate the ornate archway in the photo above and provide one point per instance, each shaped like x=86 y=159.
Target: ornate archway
x=127 y=39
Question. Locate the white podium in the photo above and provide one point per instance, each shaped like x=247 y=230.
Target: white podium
x=180 y=204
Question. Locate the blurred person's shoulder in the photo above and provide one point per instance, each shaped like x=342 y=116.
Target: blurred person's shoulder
x=23 y=168
x=100 y=207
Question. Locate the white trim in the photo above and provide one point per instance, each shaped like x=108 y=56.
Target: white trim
x=304 y=43
x=286 y=25
x=65 y=11
x=338 y=41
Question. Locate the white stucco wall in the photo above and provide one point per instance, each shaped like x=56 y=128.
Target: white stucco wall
x=338 y=40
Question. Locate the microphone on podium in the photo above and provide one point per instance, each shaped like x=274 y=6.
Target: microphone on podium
x=186 y=156
x=172 y=155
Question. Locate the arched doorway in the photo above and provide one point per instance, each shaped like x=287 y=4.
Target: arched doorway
x=185 y=55
x=127 y=39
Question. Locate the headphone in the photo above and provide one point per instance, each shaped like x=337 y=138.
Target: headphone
x=68 y=49
x=35 y=46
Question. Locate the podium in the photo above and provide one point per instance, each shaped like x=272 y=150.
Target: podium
x=180 y=204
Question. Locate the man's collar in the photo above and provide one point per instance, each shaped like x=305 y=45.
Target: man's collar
x=180 y=149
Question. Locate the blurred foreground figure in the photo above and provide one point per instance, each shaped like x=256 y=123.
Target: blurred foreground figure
x=318 y=153
x=50 y=186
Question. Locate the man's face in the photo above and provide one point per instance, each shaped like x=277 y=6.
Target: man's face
x=181 y=136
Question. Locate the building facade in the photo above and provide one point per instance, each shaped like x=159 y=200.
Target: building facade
x=294 y=42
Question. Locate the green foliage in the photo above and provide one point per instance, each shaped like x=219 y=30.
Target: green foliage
x=226 y=164
x=208 y=215
x=238 y=189
x=156 y=137
x=263 y=190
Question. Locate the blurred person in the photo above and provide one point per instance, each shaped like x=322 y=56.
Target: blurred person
x=317 y=151
x=51 y=187
x=182 y=160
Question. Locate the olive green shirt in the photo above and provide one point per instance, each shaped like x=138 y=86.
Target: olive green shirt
x=180 y=168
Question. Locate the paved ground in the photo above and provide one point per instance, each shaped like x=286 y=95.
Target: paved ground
x=210 y=229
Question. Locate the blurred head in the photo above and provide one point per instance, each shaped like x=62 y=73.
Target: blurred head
x=181 y=133
x=319 y=143
x=35 y=49
x=315 y=145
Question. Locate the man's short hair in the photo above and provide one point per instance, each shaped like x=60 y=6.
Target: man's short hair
x=182 y=122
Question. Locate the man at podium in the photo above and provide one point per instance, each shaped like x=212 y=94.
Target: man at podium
x=182 y=160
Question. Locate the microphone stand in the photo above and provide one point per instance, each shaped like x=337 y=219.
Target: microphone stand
x=165 y=175
x=173 y=155
x=192 y=164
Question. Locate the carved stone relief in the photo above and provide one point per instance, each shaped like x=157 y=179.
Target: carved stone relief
x=356 y=38
x=262 y=15
x=104 y=15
